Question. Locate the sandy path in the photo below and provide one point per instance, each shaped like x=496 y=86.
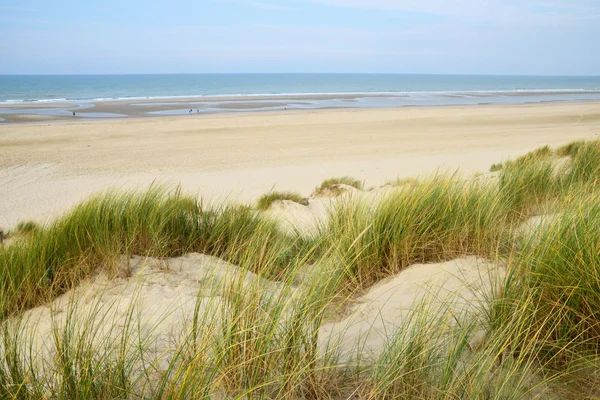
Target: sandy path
x=46 y=168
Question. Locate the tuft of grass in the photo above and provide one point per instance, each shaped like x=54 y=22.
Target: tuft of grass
x=157 y=223
x=28 y=227
x=585 y=165
x=561 y=270
x=436 y=220
x=331 y=185
x=496 y=167
x=538 y=154
x=526 y=185
x=534 y=179
x=570 y=149
x=265 y=201
x=530 y=159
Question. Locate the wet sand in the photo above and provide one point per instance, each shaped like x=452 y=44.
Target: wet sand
x=152 y=108
x=167 y=107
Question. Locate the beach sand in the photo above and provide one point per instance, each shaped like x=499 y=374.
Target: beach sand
x=45 y=168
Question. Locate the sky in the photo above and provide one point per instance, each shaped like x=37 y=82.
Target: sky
x=501 y=37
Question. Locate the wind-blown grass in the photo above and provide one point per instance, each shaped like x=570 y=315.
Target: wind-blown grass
x=261 y=338
x=259 y=344
x=154 y=223
x=561 y=270
x=496 y=167
x=571 y=149
x=433 y=221
x=28 y=227
x=331 y=185
x=585 y=165
x=525 y=185
x=265 y=201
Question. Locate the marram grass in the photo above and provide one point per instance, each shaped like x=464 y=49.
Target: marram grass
x=158 y=223
x=437 y=220
x=264 y=202
x=258 y=344
x=541 y=330
x=331 y=186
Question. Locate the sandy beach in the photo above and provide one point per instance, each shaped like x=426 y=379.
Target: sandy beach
x=45 y=168
x=303 y=200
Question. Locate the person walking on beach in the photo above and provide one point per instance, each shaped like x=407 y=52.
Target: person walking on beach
x=73 y=113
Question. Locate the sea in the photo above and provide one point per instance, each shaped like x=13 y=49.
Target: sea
x=369 y=90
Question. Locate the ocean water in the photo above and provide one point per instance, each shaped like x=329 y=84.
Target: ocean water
x=60 y=88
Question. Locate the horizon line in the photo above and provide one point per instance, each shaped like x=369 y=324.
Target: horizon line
x=304 y=73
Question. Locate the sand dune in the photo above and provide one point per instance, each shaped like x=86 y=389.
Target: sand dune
x=162 y=296
x=456 y=289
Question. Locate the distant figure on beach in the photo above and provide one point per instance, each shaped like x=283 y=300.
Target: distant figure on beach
x=198 y=110
x=73 y=113
x=190 y=110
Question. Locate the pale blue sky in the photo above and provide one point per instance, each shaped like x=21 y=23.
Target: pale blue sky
x=547 y=37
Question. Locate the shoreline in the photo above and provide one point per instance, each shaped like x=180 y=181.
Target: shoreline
x=289 y=112
x=216 y=105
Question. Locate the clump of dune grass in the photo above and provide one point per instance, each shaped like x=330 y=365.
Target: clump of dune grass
x=570 y=149
x=331 y=186
x=265 y=201
x=561 y=270
x=430 y=356
x=529 y=160
x=584 y=166
x=496 y=167
x=436 y=220
x=531 y=181
x=157 y=222
x=539 y=154
x=526 y=185
x=27 y=227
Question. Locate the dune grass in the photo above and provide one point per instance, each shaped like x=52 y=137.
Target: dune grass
x=27 y=227
x=526 y=185
x=255 y=344
x=496 y=167
x=541 y=328
x=158 y=222
x=570 y=149
x=436 y=220
x=331 y=186
x=265 y=201
x=560 y=267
